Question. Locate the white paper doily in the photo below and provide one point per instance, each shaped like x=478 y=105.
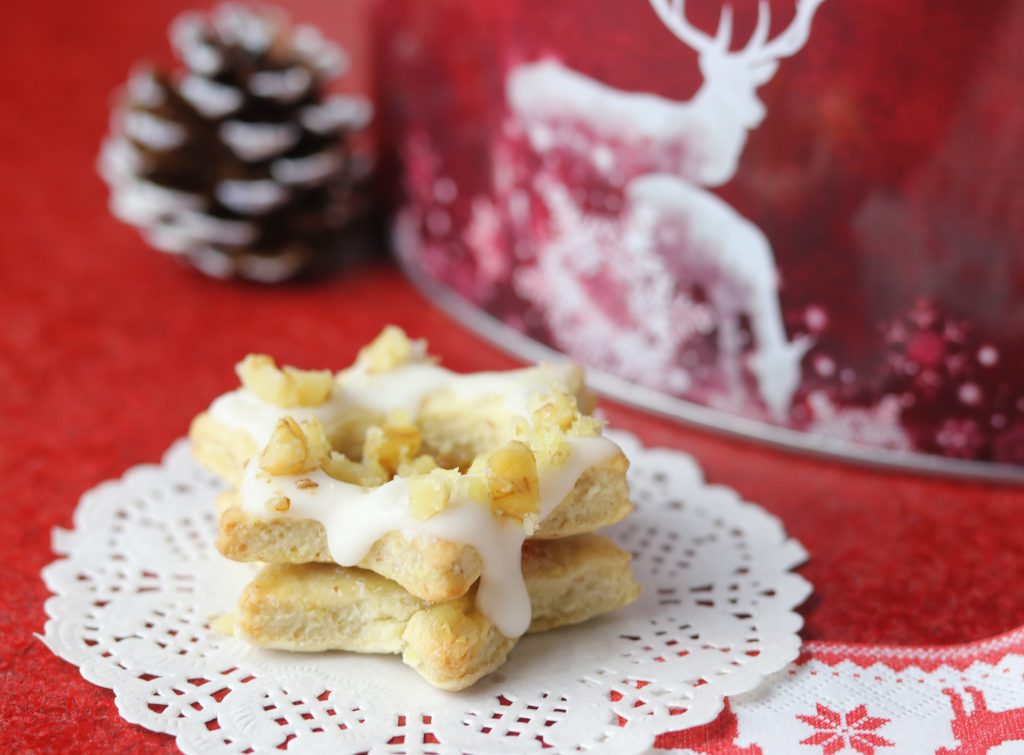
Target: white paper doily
x=132 y=598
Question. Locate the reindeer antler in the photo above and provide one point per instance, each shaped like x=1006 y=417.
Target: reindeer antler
x=673 y=14
x=758 y=50
x=790 y=41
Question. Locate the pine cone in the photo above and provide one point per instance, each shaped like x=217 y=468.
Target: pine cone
x=240 y=163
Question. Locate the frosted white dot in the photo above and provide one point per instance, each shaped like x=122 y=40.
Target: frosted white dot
x=824 y=366
x=816 y=318
x=969 y=393
x=988 y=355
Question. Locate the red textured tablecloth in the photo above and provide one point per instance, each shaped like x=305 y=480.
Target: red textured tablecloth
x=107 y=350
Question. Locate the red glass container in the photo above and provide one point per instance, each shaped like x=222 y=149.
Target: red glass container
x=802 y=220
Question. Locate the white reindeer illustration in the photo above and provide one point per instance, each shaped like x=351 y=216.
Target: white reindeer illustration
x=665 y=154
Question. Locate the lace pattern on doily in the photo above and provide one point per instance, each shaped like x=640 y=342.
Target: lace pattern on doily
x=133 y=595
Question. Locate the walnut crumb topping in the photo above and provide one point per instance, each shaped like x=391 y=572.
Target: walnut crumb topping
x=556 y=418
x=287 y=386
x=279 y=503
x=390 y=350
x=295 y=448
x=512 y=480
x=430 y=493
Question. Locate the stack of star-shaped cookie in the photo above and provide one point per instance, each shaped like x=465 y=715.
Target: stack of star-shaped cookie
x=402 y=508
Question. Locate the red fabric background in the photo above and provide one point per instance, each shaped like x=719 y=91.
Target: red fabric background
x=107 y=350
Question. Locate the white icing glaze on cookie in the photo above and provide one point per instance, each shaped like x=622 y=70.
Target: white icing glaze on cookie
x=403 y=388
x=244 y=410
x=354 y=518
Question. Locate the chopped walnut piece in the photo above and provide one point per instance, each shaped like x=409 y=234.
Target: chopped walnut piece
x=388 y=447
x=294 y=449
x=285 y=387
x=557 y=408
x=586 y=426
x=512 y=480
x=420 y=465
x=341 y=468
x=473 y=487
x=279 y=503
x=316 y=439
x=430 y=493
x=390 y=350
x=550 y=446
x=556 y=417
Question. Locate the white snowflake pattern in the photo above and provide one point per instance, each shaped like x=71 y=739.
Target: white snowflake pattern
x=877 y=425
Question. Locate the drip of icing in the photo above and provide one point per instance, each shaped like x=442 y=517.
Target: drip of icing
x=354 y=518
